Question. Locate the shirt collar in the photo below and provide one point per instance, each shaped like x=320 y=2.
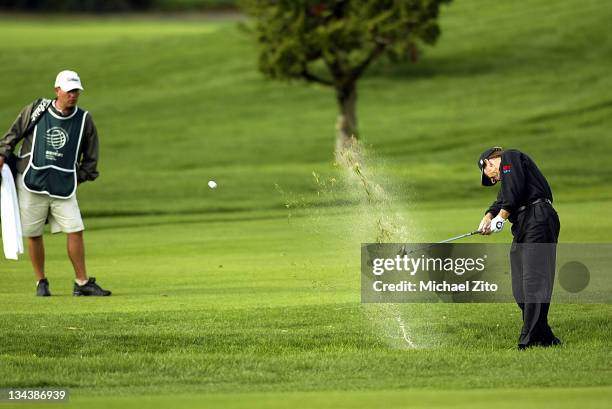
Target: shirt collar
x=57 y=111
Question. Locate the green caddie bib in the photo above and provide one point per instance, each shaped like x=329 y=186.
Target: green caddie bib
x=55 y=151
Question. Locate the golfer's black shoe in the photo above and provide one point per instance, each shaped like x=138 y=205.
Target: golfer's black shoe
x=42 y=288
x=90 y=288
x=555 y=341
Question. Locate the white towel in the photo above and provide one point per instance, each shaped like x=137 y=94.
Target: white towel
x=12 y=240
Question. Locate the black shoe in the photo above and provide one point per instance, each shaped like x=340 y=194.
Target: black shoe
x=42 y=288
x=522 y=347
x=90 y=288
x=554 y=342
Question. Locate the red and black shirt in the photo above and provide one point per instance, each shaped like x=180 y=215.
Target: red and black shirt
x=522 y=183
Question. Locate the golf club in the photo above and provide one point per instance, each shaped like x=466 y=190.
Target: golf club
x=403 y=251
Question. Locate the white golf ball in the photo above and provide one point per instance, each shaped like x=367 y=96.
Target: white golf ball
x=212 y=184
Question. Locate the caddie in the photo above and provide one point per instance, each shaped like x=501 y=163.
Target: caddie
x=58 y=151
x=525 y=199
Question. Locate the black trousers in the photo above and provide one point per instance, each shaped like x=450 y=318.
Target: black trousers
x=532 y=261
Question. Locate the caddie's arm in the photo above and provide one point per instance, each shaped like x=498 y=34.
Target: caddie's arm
x=90 y=151
x=14 y=134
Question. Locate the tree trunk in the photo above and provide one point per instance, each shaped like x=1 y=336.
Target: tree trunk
x=346 y=125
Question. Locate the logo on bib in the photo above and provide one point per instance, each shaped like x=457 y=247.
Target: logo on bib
x=56 y=137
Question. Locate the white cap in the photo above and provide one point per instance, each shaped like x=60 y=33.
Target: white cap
x=68 y=80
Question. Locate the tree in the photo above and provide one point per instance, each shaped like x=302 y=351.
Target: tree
x=333 y=42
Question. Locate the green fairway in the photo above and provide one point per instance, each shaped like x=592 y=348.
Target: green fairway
x=248 y=295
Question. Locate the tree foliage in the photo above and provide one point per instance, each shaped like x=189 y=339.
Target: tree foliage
x=334 y=41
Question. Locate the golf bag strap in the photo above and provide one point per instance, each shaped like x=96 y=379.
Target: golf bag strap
x=42 y=106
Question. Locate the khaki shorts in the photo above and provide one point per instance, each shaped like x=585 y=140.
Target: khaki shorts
x=35 y=208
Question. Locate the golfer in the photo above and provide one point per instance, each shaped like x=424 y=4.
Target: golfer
x=59 y=150
x=525 y=199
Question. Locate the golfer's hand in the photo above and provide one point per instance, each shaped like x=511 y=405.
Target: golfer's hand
x=1 y=161
x=497 y=224
x=485 y=224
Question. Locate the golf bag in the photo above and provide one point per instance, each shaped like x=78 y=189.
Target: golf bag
x=41 y=106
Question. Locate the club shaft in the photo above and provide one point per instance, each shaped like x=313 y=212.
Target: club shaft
x=403 y=249
x=459 y=237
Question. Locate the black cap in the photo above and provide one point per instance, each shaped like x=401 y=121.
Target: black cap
x=485 y=180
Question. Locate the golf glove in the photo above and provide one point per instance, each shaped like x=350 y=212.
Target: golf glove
x=497 y=224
